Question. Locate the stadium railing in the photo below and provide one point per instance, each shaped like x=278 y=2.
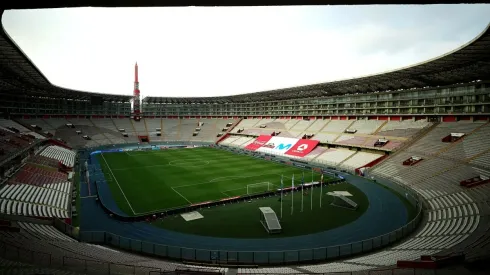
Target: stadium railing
x=262 y=257
x=56 y=261
x=252 y=257
x=391 y=271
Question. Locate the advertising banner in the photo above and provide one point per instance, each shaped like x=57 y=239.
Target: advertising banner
x=278 y=145
x=261 y=140
x=302 y=148
x=283 y=146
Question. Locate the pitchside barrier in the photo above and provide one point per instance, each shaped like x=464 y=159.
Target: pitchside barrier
x=237 y=258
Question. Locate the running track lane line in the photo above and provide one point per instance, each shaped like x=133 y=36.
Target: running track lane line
x=110 y=170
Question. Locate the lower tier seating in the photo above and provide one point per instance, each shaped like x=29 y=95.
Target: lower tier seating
x=58 y=251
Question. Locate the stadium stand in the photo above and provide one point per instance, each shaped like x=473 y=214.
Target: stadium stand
x=65 y=156
x=453 y=212
x=64 y=252
x=404 y=128
x=37 y=192
x=171 y=129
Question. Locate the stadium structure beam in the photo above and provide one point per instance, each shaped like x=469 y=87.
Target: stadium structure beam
x=24 y=4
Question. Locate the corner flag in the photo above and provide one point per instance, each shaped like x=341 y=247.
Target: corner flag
x=321 y=190
x=302 y=190
x=292 y=196
x=282 y=187
x=311 y=199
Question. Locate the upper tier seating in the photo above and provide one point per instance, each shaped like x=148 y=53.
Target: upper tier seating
x=211 y=128
x=337 y=126
x=366 y=126
x=9 y=125
x=334 y=156
x=170 y=130
x=404 y=128
x=360 y=159
x=139 y=127
x=183 y=129
x=188 y=126
x=152 y=124
x=367 y=132
x=454 y=213
x=431 y=142
x=472 y=144
x=56 y=123
x=12 y=142
x=5 y=123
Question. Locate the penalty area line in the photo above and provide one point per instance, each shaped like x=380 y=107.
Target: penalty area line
x=102 y=154
x=181 y=195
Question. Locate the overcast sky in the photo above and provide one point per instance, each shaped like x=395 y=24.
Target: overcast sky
x=223 y=51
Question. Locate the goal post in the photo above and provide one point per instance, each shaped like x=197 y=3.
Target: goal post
x=257 y=188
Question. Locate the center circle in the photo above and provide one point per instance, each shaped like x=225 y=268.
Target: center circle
x=188 y=163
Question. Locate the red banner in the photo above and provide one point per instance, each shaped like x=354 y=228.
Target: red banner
x=302 y=148
x=259 y=142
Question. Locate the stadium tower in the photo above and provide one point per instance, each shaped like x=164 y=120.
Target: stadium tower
x=136 y=95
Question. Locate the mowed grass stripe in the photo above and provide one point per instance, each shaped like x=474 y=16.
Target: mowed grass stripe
x=151 y=181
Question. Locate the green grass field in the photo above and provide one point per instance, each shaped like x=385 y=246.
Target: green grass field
x=146 y=181
x=241 y=220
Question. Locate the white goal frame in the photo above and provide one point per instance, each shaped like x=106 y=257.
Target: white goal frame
x=270 y=187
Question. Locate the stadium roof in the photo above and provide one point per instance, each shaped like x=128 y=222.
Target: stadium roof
x=28 y=4
x=468 y=63
x=19 y=75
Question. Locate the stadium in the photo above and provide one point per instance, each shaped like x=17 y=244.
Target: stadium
x=383 y=174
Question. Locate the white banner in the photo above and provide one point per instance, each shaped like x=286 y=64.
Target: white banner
x=278 y=145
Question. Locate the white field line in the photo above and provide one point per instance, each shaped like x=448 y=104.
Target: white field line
x=169 y=164
x=226 y=178
x=211 y=181
x=102 y=154
x=182 y=196
x=171 y=152
x=226 y=191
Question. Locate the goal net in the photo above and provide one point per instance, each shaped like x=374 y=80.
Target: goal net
x=257 y=188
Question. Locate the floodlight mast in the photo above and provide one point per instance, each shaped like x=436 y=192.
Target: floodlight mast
x=136 y=95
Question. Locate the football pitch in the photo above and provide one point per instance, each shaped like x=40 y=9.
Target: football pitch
x=147 y=181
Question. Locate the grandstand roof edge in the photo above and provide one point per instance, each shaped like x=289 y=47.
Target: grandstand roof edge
x=393 y=78
x=42 y=78
x=24 y=4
